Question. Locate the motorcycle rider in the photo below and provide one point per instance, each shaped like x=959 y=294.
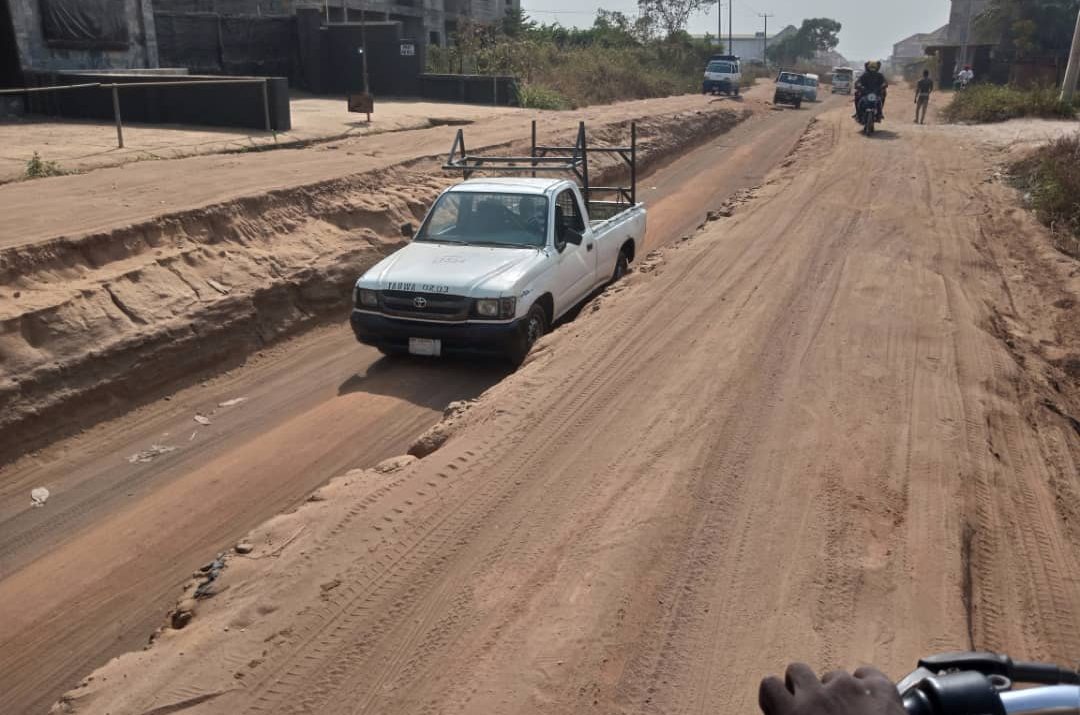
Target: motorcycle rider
x=872 y=82
x=965 y=77
x=866 y=692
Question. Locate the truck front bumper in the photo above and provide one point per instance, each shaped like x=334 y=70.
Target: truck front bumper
x=476 y=339
x=714 y=85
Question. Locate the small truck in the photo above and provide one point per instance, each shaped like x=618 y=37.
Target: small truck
x=722 y=75
x=790 y=89
x=843 y=80
x=498 y=261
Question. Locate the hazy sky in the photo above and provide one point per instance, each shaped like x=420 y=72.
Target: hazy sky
x=870 y=26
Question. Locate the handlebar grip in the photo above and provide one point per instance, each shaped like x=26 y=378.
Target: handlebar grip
x=963 y=693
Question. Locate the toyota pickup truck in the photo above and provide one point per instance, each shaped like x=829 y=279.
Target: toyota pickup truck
x=493 y=266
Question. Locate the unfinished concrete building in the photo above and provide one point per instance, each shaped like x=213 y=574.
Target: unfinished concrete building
x=431 y=21
x=75 y=34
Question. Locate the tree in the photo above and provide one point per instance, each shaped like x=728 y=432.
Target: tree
x=819 y=34
x=1029 y=28
x=671 y=16
x=515 y=23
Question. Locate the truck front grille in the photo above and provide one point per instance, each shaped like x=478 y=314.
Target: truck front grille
x=424 y=306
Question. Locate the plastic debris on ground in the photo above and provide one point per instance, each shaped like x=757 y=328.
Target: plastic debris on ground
x=38 y=497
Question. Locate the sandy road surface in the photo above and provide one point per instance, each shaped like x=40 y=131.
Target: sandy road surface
x=830 y=428
x=127 y=535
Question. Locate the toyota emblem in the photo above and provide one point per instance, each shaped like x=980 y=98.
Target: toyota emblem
x=420 y=302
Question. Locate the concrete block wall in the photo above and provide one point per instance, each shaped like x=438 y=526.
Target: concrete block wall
x=36 y=53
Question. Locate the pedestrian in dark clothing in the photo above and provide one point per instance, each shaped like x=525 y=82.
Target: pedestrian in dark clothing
x=923 y=90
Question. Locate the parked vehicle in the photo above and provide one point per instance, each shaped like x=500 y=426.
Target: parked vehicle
x=843 y=80
x=497 y=261
x=722 y=76
x=869 y=112
x=789 y=89
x=810 y=87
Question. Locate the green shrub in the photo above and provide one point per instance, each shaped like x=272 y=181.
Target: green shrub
x=983 y=103
x=1051 y=177
x=36 y=168
x=573 y=68
x=536 y=96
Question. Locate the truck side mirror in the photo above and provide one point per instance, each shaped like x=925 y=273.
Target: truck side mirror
x=408 y=230
x=564 y=234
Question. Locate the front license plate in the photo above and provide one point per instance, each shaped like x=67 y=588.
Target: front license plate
x=426 y=347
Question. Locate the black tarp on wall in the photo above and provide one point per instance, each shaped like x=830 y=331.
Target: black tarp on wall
x=209 y=43
x=85 y=23
x=394 y=62
x=213 y=105
x=10 y=68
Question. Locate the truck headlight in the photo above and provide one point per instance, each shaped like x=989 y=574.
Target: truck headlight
x=367 y=298
x=495 y=308
x=487 y=308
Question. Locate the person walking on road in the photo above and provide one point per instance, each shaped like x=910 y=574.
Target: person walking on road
x=923 y=90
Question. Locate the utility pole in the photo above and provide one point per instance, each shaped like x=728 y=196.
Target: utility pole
x=765 y=39
x=1073 y=68
x=720 y=24
x=731 y=27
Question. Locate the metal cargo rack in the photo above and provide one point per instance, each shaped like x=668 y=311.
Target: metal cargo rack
x=557 y=159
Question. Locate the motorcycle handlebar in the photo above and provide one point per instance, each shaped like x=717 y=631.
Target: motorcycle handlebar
x=1045 y=699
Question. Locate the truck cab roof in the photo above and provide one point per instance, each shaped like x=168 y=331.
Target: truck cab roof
x=536 y=187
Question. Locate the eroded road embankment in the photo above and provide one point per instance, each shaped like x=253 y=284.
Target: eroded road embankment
x=835 y=427
x=94 y=324
x=127 y=533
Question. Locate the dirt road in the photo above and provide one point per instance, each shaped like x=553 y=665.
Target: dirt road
x=127 y=534
x=835 y=427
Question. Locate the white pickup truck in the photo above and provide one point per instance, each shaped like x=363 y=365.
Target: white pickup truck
x=495 y=263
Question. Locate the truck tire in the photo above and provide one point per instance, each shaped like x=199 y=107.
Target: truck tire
x=776 y=99
x=622 y=267
x=535 y=328
x=798 y=104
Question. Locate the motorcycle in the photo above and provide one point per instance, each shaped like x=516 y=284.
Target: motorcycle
x=979 y=683
x=869 y=112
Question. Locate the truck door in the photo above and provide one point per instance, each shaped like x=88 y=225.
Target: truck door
x=577 y=252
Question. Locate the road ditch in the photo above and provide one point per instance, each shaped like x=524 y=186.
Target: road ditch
x=93 y=326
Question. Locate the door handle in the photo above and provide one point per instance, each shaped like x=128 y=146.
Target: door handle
x=588 y=246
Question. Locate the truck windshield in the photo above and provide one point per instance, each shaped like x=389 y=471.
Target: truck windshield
x=721 y=68
x=487 y=219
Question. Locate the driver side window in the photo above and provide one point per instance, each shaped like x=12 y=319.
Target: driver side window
x=568 y=206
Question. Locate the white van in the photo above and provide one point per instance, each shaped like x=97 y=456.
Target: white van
x=722 y=75
x=810 y=87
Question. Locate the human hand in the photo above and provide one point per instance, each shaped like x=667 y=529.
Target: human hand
x=867 y=692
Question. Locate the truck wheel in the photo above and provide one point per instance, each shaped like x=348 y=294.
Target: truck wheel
x=622 y=267
x=798 y=104
x=776 y=99
x=535 y=327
